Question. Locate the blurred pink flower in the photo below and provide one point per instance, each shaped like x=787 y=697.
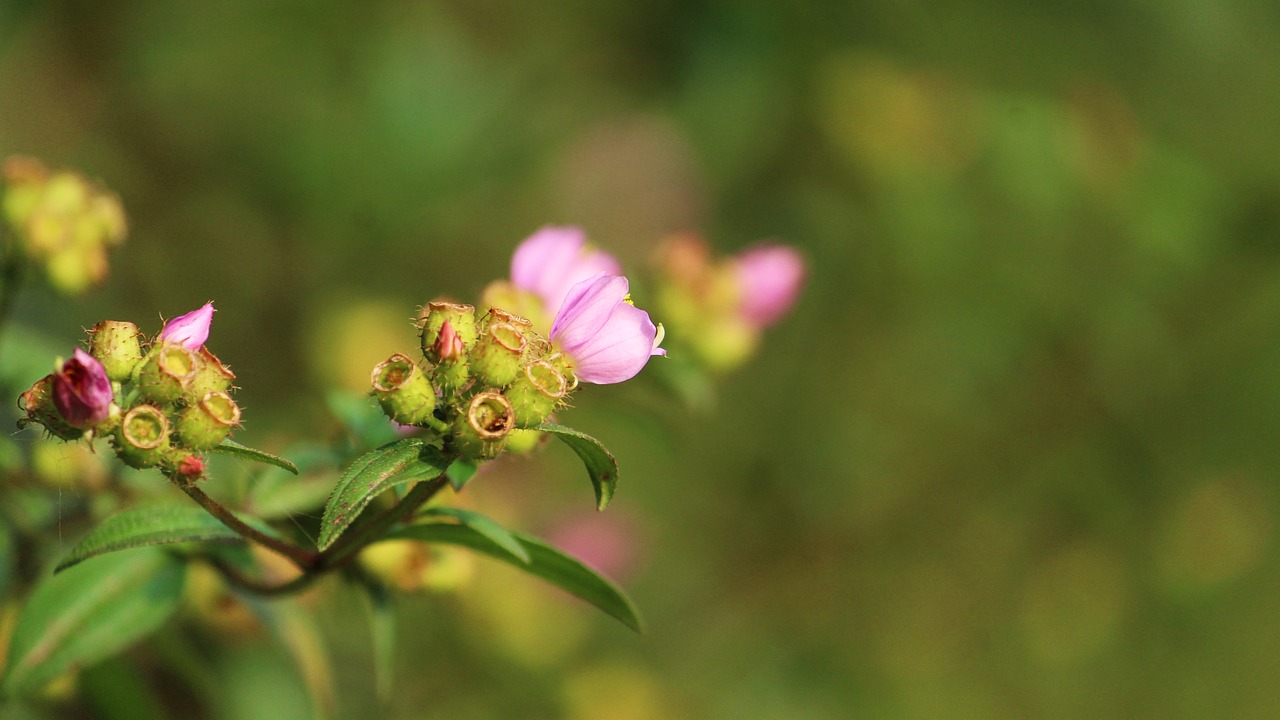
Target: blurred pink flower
x=608 y=543
x=608 y=338
x=554 y=259
x=82 y=391
x=190 y=330
x=769 y=279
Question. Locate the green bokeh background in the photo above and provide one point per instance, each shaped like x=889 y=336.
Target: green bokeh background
x=1011 y=456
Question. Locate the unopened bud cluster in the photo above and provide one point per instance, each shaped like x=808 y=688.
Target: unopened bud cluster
x=160 y=403
x=483 y=379
x=62 y=221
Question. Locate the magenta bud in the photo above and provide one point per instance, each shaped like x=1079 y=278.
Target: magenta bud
x=462 y=321
x=769 y=278
x=82 y=391
x=191 y=467
x=190 y=330
x=118 y=346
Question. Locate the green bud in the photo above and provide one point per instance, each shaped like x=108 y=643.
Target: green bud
x=483 y=430
x=523 y=440
x=207 y=423
x=536 y=391
x=211 y=376
x=142 y=440
x=497 y=356
x=118 y=346
x=403 y=390
x=37 y=403
x=462 y=320
x=166 y=373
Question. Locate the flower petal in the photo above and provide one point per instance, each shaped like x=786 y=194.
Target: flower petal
x=586 y=309
x=619 y=351
x=554 y=259
x=769 y=279
x=190 y=330
x=82 y=391
x=608 y=339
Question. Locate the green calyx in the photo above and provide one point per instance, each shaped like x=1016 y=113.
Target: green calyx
x=482 y=431
x=142 y=440
x=403 y=390
x=536 y=392
x=166 y=373
x=118 y=346
x=207 y=423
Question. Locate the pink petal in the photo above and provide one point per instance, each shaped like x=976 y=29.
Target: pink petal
x=82 y=391
x=609 y=339
x=554 y=259
x=190 y=330
x=769 y=279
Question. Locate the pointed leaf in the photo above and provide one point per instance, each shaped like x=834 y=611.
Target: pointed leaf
x=461 y=472
x=600 y=464
x=235 y=449
x=397 y=463
x=545 y=562
x=89 y=613
x=154 y=525
x=500 y=536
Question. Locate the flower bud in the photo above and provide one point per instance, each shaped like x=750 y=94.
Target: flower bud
x=536 y=391
x=207 y=423
x=117 y=345
x=482 y=431
x=403 y=390
x=142 y=440
x=211 y=376
x=167 y=372
x=462 y=320
x=81 y=391
x=497 y=356
x=37 y=403
x=190 y=330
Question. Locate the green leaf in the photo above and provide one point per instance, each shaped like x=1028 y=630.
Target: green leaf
x=601 y=466
x=461 y=472
x=400 y=462
x=545 y=562
x=235 y=449
x=154 y=525
x=89 y=613
x=500 y=536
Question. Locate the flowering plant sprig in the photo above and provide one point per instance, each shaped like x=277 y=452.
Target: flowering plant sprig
x=484 y=380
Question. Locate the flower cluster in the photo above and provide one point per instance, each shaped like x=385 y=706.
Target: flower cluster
x=161 y=403
x=62 y=221
x=489 y=375
x=722 y=306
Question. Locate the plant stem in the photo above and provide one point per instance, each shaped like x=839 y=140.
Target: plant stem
x=306 y=560
x=313 y=564
x=258 y=587
x=346 y=546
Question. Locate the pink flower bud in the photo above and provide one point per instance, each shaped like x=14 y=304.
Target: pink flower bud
x=448 y=345
x=608 y=338
x=82 y=391
x=190 y=330
x=769 y=279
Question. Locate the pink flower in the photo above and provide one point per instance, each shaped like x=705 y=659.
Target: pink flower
x=608 y=338
x=769 y=279
x=190 y=330
x=82 y=391
x=554 y=259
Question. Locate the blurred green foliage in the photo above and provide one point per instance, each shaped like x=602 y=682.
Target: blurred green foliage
x=1012 y=456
